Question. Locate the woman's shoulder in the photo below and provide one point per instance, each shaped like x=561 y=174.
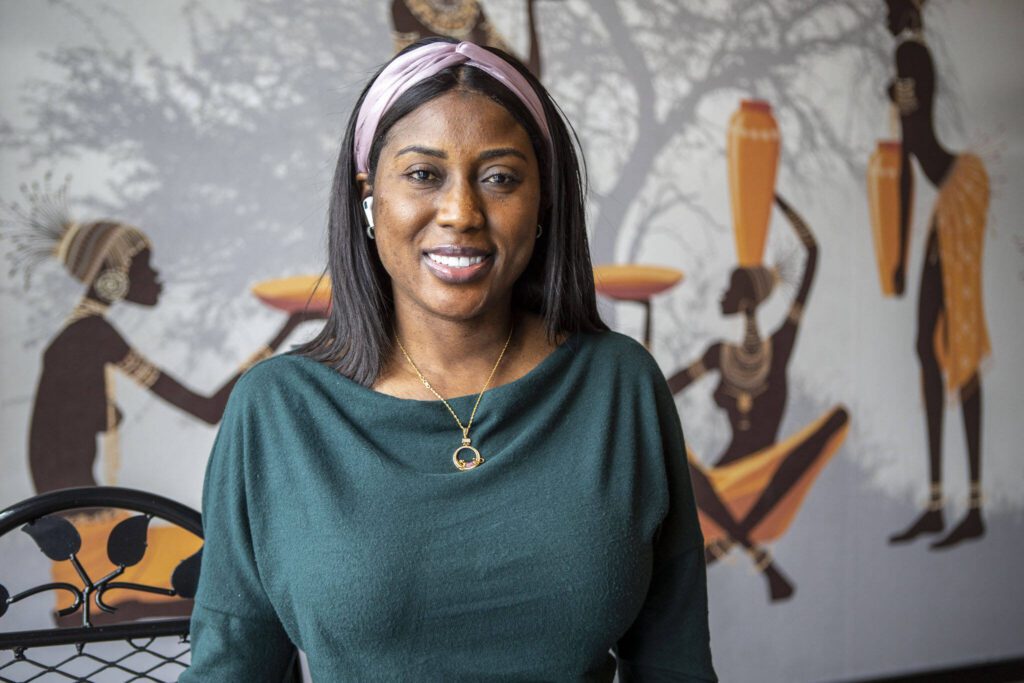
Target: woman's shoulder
x=618 y=351
x=282 y=376
x=92 y=336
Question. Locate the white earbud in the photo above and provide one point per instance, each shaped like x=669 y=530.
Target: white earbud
x=368 y=210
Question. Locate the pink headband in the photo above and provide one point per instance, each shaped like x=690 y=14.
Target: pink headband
x=420 y=64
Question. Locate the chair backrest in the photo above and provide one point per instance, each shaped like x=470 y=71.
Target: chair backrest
x=109 y=569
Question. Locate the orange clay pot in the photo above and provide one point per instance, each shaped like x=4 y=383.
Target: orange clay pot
x=884 y=205
x=753 y=150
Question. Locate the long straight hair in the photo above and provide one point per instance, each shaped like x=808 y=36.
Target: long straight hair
x=558 y=282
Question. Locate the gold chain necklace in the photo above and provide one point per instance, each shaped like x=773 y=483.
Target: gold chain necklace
x=85 y=309
x=467 y=443
x=745 y=374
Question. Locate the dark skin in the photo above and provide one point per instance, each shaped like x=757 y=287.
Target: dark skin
x=404 y=21
x=765 y=415
x=913 y=92
x=758 y=428
x=70 y=404
x=914 y=61
x=457 y=171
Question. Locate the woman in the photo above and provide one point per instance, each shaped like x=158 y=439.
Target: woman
x=755 y=488
x=952 y=336
x=369 y=502
x=75 y=400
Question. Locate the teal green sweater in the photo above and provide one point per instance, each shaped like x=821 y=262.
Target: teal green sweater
x=335 y=520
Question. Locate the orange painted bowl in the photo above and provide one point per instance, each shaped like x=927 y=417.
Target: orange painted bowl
x=633 y=282
x=292 y=294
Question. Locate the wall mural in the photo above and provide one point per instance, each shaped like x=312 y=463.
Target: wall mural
x=75 y=398
x=412 y=20
x=772 y=108
x=952 y=336
x=754 y=488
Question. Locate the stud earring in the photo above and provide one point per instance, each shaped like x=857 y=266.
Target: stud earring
x=540 y=231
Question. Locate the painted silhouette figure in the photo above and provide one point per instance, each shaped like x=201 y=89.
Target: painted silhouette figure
x=952 y=336
x=459 y=19
x=754 y=490
x=75 y=401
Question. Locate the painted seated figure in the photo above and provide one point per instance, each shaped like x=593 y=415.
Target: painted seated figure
x=753 y=491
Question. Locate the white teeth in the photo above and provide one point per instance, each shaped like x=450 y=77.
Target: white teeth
x=456 y=261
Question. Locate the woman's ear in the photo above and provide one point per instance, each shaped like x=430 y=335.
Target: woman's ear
x=365 y=189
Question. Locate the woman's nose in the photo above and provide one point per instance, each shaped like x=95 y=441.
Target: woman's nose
x=459 y=206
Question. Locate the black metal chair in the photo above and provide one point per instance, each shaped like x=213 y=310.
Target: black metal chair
x=146 y=650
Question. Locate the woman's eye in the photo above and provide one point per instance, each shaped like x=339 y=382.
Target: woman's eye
x=501 y=179
x=421 y=175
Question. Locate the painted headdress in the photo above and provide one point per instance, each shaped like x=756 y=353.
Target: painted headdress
x=98 y=252
x=762 y=280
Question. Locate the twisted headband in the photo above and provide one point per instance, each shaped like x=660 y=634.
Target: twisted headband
x=420 y=64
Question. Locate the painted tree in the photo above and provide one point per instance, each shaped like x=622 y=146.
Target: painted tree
x=227 y=158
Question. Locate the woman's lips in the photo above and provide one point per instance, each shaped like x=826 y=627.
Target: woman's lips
x=459 y=274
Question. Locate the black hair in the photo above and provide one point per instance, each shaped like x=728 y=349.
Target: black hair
x=558 y=282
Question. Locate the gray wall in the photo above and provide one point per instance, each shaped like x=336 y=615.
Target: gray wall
x=215 y=129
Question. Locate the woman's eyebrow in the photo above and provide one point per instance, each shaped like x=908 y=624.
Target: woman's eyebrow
x=417 y=149
x=501 y=152
x=441 y=154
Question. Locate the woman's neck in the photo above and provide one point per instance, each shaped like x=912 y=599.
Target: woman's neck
x=456 y=357
x=751 y=335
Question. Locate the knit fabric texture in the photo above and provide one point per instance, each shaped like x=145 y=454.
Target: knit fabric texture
x=336 y=520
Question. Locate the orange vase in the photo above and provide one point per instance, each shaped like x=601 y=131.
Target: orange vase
x=753 y=150
x=884 y=205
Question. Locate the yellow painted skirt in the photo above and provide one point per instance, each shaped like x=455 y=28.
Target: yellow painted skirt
x=741 y=483
x=961 y=338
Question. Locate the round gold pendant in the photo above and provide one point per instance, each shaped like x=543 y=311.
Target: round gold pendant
x=467 y=464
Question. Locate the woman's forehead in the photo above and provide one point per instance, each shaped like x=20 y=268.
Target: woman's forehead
x=458 y=121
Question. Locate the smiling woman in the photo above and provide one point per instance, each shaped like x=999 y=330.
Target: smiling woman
x=433 y=201
x=466 y=475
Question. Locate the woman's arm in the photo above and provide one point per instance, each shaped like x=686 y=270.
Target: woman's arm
x=696 y=370
x=899 y=275
x=803 y=233
x=904 y=95
x=206 y=408
x=670 y=640
x=785 y=337
x=236 y=634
